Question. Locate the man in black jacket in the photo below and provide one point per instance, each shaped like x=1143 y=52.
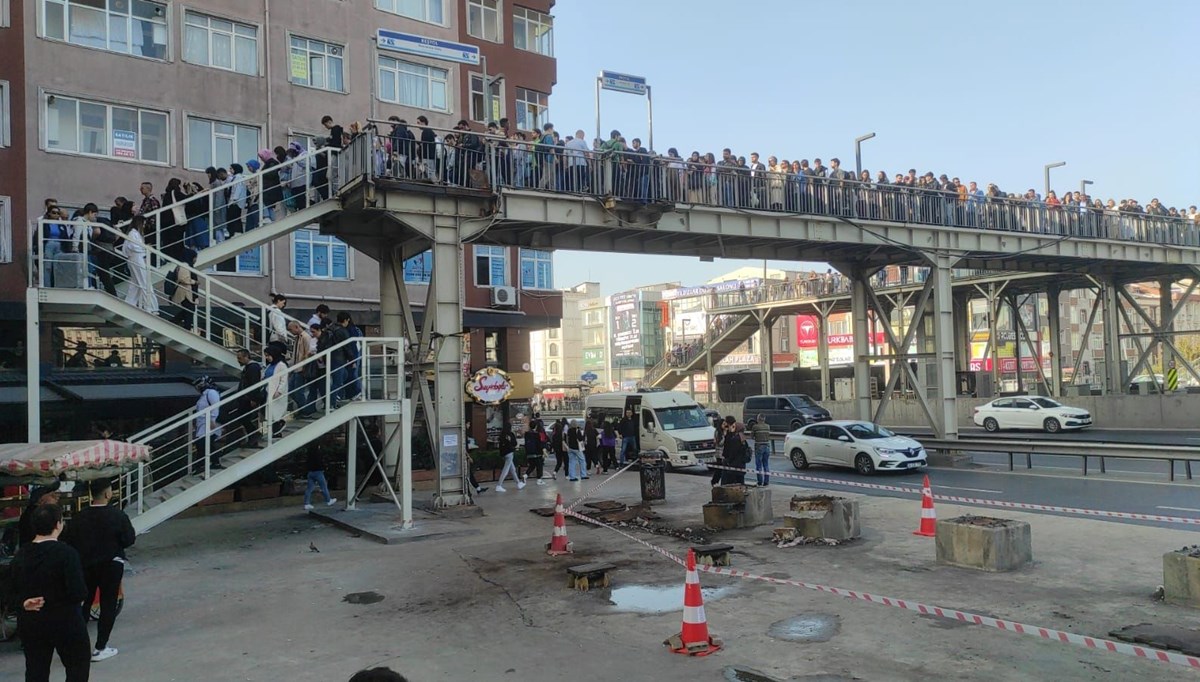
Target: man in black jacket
x=402 y=146
x=49 y=586
x=628 y=428
x=101 y=533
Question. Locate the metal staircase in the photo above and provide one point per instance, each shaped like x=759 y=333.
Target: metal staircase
x=179 y=474
x=73 y=283
x=218 y=231
x=725 y=333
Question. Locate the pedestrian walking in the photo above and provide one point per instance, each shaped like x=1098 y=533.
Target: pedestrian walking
x=508 y=448
x=48 y=584
x=208 y=424
x=608 y=447
x=101 y=533
x=761 y=433
x=591 y=446
x=559 y=448
x=276 y=320
x=277 y=387
x=141 y=291
x=576 y=464
x=316 y=477
x=629 y=434
x=535 y=450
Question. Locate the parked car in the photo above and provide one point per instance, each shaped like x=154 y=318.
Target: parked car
x=783 y=413
x=1030 y=412
x=864 y=446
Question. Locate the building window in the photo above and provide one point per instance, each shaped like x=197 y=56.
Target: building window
x=246 y=263
x=135 y=27
x=553 y=350
x=413 y=85
x=537 y=269
x=306 y=140
x=554 y=366
x=218 y=144
x=533 y=31
x=552 y=333
x=77 y=126
x=5 y=20
x=491 y=266
x=319 y=256
x=419 y=268
x=479 y=111
x=5 y=114
x=220 y=43
x=316 y=64
x=483 y=19
x=429 y=11
x=532 y=109
x=6 y=236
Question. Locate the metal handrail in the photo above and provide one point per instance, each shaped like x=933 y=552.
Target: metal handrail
x=374 y=373
x=212 y=294
x=1083 y=449
x=724 y=324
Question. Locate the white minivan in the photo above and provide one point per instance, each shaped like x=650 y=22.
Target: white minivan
x=671 y=422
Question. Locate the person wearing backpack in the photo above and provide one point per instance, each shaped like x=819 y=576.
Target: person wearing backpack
x=208 y=425
x=535 y=449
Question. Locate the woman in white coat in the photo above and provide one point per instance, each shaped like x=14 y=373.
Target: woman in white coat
x=141 y=290
x=276 y=371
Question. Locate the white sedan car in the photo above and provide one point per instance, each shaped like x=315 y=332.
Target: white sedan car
x=864 y=446
x=1030 y=412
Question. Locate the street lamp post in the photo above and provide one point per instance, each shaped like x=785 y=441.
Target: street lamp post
x=1083 y=188
x=858 y=153
x=1056 y=164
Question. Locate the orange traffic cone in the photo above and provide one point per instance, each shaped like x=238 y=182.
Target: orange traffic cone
x=559 y=544
x=693 y=639
x=928 y=515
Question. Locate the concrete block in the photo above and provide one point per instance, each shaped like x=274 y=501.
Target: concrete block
x=733 y=494
x=722 y=515
x=1181 y=577
x=984 y=543
x=824 y=516
x=757 y=510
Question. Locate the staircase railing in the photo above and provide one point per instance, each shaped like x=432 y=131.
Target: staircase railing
x=254 y=417
x=242 y=203
x=718 y=326
x=93 y=256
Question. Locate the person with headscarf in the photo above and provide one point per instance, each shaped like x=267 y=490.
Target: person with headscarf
x=298 y=184
x=271 y=187
x=141 y=290
x=253 y=214
x=277 y=387
x=208 y=424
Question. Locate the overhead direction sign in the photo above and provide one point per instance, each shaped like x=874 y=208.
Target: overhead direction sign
x=428 y=47
x=623 y=82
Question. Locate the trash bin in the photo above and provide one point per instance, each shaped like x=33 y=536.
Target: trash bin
x=653 y=473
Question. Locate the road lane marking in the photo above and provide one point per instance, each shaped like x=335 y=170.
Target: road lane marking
x=974 y=490
x=1187 y=509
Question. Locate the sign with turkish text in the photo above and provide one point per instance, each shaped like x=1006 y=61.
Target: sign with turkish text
x=124 y=144
x=807 y=329
x=627 y=325
x=489 y=386
x=433 y=48
x=299 y=66
x=623 y=82
x=593 y=358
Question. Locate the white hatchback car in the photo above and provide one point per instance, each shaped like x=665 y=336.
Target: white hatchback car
x=864 y=446
x=1030 y=412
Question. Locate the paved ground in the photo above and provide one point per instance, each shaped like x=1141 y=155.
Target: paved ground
x=244 y=597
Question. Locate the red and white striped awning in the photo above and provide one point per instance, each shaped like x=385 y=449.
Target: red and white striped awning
x=52 y=459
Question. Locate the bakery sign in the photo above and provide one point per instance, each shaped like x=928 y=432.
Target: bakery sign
x=489 y=386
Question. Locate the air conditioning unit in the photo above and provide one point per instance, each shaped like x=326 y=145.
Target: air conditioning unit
x=504 y=296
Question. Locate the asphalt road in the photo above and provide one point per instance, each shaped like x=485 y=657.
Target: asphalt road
x=1138 y=436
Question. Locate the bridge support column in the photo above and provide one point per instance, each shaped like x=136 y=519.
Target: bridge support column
x=1114 y=381
x=962 y=332
x=1014 y=315
x=823 y=351
x=943 y=341
x=33 y=367
x=1053 y=295
x=392 y=325
x=446 y=285
x=859 y=291
x=766 y=353
x=1166 y=310
x=712 y=380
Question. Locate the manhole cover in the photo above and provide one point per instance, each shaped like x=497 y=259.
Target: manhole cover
x=363 y=598
x=807 y=627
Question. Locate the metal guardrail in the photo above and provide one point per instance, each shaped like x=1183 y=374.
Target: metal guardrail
x=1102 y=451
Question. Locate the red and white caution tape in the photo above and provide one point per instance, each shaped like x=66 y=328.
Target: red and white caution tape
x=600 y=485
x=1049 y=634
x=979 y=501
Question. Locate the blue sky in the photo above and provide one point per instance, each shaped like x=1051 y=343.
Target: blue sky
x=987 y=91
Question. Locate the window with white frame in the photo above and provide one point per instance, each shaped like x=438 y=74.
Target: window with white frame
x=429 y=11
x=483 y=19
x=479 y=110
x=220 y=43
x=218 y=144
x=554 y=367
x=5 y=19
x=533 y=31
x=537 y=269
x=5 y=114
x=6 y=235
x=533 y=109
x=319 y=256
x=552 y=332
x=135 y=27
x=419 y=268
x=413 y=85
x=248 y=262
x=78 y=126
x=553 y=350
x=491 y=266
x=306 y=140
x=316 y=64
